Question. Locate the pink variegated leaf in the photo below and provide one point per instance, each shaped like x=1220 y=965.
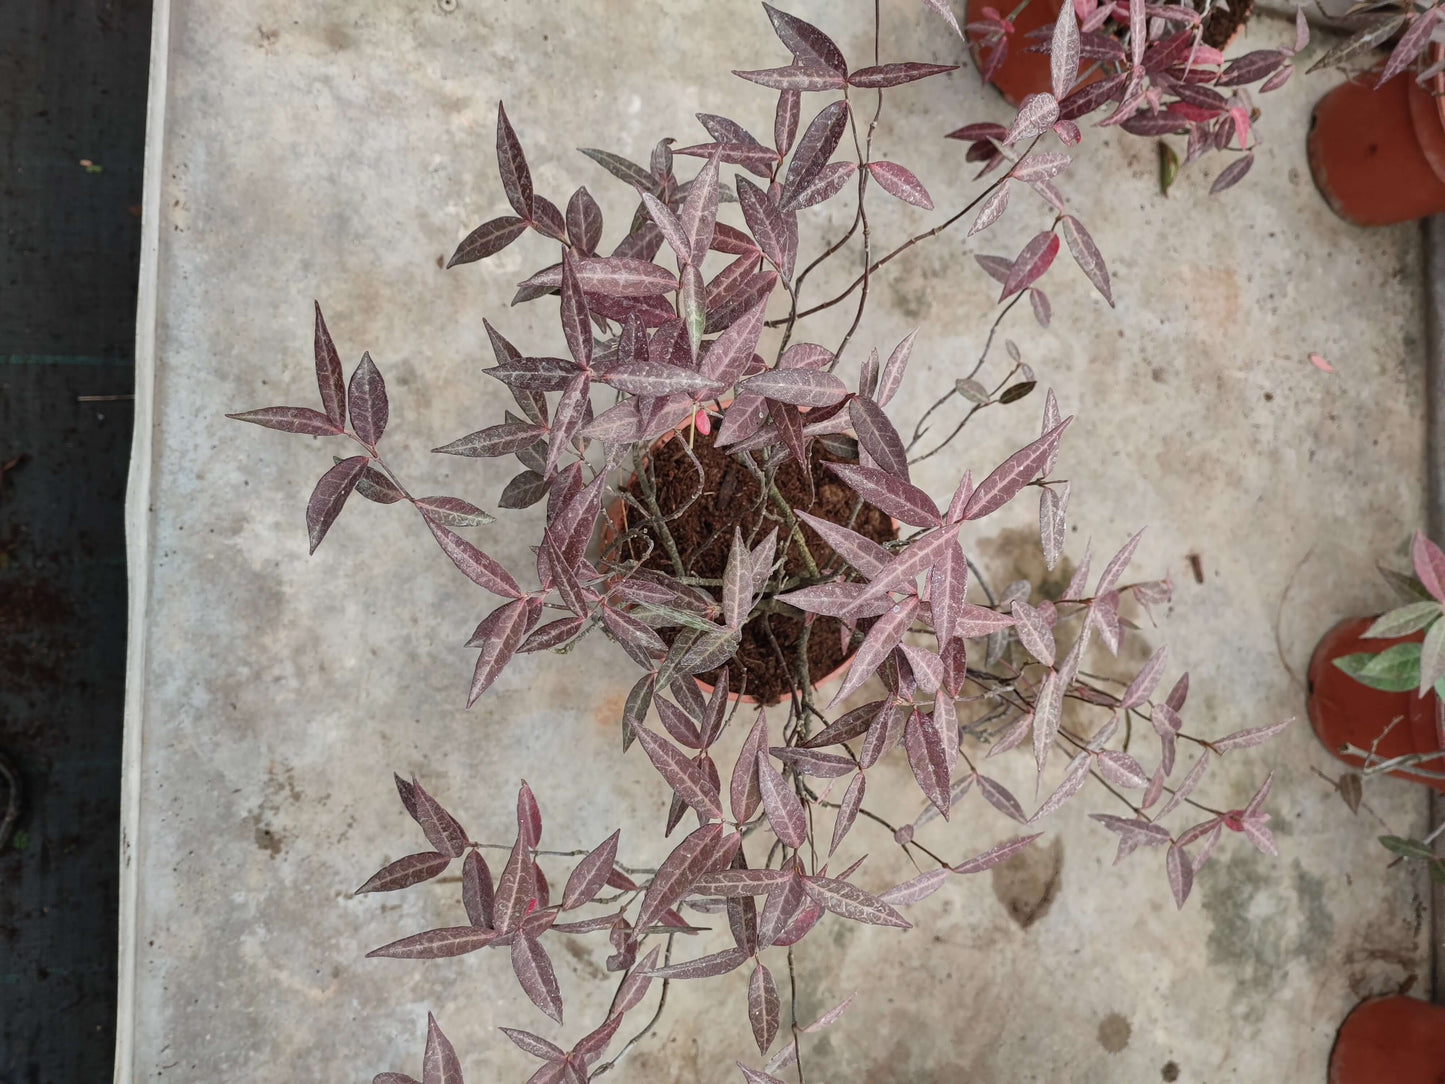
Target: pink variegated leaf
x=1121 y=769
x=290 y=419
x=893 y=75
x=1047 y=714
x=1256 y=804
x=704 y=967
x=898 y=498
x=974 y=622
x=814 y=762
x=1186 y=787
x=763 y=1007
x=820 y=186
x=1034 y=632
x=928 y=757
x=441 y=828
x=916 y=890
x=901 y=183
x=329 y=376
x=757 y=1076
x=478 y=893
x=1109 y=578
x=764 y=221
x=837 y=599
x=1053 y=507
x=1001 y=799
x=853 y=903
x=1035 y=258
x=439 y=1063
x=901 y=571
x=797 y=387
x=591 y=873
x=437 y=944
x=474 y=564
x=1411 y=44
x=1075 y=777
x=795 y=77
x=1013 y=474
x=1064 y=52
x=680 y=773
x=405 y=872
x=1086 y=254
x=1244 y=739
x=1040 y=166
x=1181 y=874
x=782 y=805
x=1429 y=563
x=1251 y=67
x=736 y=883
x=329 y=496
x=943 y=9
x=891 y=378
x=878 y=437
x=806 y=42
x=673 y=880
x=992 y=209
x=728 y=356
x=882 y=638
x=576 y=324
x=1037 y=114
x=610 y=276
x=634 y=987
x=535 y=1045
x=865 y=555
x=534 y=972
x=516 y=178
x=1146 y=679
x=848 y=810
x=744 y=792
x=1012 y=735
x=995 y=855
x=947 y=586
x=1232 y=174
x=699 y=211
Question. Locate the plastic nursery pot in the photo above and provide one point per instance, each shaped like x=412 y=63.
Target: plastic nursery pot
x=1344 y=712
x=1377 y=153
x=1390 y=1040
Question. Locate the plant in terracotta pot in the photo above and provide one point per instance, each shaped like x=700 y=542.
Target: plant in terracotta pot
x=729 y=502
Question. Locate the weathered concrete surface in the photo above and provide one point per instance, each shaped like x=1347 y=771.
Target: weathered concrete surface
x=339 y=151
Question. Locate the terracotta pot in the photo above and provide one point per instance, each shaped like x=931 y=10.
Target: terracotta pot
x=1390 y=1040
x=1377 y=154
x=1343 y=711
x=1022 y=73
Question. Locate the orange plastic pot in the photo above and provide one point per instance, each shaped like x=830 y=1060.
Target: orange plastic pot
x=1377 y=153
x=1344 y=712
x=1390 y=1040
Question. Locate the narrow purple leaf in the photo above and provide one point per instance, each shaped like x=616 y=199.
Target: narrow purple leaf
x=1232 y=174
x=882 y=638
x=795 y=77
x=437 y=944
x=516 y=178
x=534 y=971
x=1244 y=739
x=853 y=903
x=1010 y=476
x=439 y=1064
x=898 y=498
x=499 y=636
x=1146 y=679
x=900 y=182
x=1181 y=874
x=680 y=773
x=488 y=239
x=782 y=805
x=704 y=967
x=1001 y=799
x=848 y=810
x=1086 y=254
x=290 y=419
x=893 y=75
x=1037 y=114
x=763 y=1007
x=865 y=555
x=1064 y=53
x=405 y=872
x=329 y=377
x=992 y=209
x=474 y=564
x=329 y=496
x=1035 y=258
x=995 y=855
x=478 y=893
x=797 y=387
x=891 y=378
x=689 y=860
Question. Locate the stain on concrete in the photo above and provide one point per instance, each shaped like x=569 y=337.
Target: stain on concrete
x=1114 y=1032
x=1170 y=1072
x=1027 y=883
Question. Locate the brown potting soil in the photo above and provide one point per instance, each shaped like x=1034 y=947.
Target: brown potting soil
x=704 y=536
x=1220 y=24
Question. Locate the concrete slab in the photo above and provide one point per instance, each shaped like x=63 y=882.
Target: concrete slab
x=339 y=151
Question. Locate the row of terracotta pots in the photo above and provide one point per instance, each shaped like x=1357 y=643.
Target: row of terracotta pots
x=1377 y=153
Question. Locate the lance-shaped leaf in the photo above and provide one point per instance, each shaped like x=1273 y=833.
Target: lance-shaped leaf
x=806 y=42
x=476 y=565
x=441 y=828
x=504 y=439
x=900 y=499
x=704 y=967
x=478 y=893
x=329 y=496
x=894 y=75
x=1244 y=739
x=1362 y=40
x=848 y=810
x=1121 y=769
x=737 y=583
x=865 y=555
x=1035 y=258
x=820 y=140
x=915 y=890
x=329 y=377
x=584 y=221
x=671 y=228
x=975 y=622
x=499 y=636
x=534 y=374
x=439 y=1063
x=1109 y=578
x=1034 y=632
x=534 y=971
x=591 y=873
x=928 y=758
x=1146 y=679
x=676 y=722
x=1015 y=472
x=995 y=855
x=634 y=987
x=764 y=221
x=1232 y=174
x=488 y=239
x=820 y=187
x=730 y=352
x=900 y=182
x=878 y=437
x=1403 y=620
x=1076 y=775
x=900 y=572
x=882 y=638
x=699 y=210
x=1047 y=713
x=853 y=903
x=437 y=944
x=1053 y=504
x=624 y=170
x=992 y=209
x=679 y=870
x=797 y=387
x=681 y=774
x=1001 y=798
x=744 y=792
x=1181 y=873
x=1086 y=254
x=610 y=276
x=837 y=599
x=891 y=379
x=534 y=1044
x=290 y=419
x=782 y=805
x=795 y=77
x=576 y=324
x=1037 y=114
x=1064 y=53
x=1429 y=564
x=405 y=872
x=656 y=378
x=516 y=177
x=943 y=9
x=736 y=883
x=763 y=1006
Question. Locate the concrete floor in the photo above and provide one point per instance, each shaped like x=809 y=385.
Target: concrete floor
x=339 y=151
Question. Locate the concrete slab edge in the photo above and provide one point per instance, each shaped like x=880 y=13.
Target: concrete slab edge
x=138 y=541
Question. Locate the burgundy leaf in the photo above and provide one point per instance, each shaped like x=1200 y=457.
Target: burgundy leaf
x=439 y=1064
x=534 y=971
x=291 y=419
x=699 y=210
x=1037 y=113
x=820 y=140
x=837 y=599
x=1251 y=67
x=437 y=944
x=1146 y=679
x=405 y=872
x=329 y=376
x=626 y=171
x=1001 y=798
x=1088 y=97
x=674 y=878
x=736 y=883
x=785 y=120
x=681 y=774
x=591 y=873
x=534 y=1044
x=1053 y=503
x=882 y=638
x=1047 y=709
x=977 y=621
x=928 y=758
x=992 y=209
x=892 y=376
x=851 y=902
x=848 y=810
x=704 y=967
x=476 y=565
x=898 y=181
x=634 y=986
x=867 y=556
x=805 y=41
x=731 y=351
x=576 y=325
x=477 y=890
x=329 y=496
x=488 y=239
x=900 y=572
x=1181 y=874
x=898 y=498
x=547 y=219
x=441 y=828
x=504 y=439
x=795 y=77
x=1034 y=632
x=893 y=75
x=1232 y=174
x=499 y=635
x=516 y=178
x=820 y=186
x=671 y=228
x=656 y=378
x=610 y=276
x=797 y=387
x=1074 y=779
x=375 y=486
x=764 y=221
x=782 y=805
x=763 y=1006
x=1010 y=476
x=1244 y=739
x=1109 y=578
x=995 y=855
x=1035 y=258
x=878 y=437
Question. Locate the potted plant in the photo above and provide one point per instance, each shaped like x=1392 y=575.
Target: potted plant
x=767 y=502
x=1374 y=701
